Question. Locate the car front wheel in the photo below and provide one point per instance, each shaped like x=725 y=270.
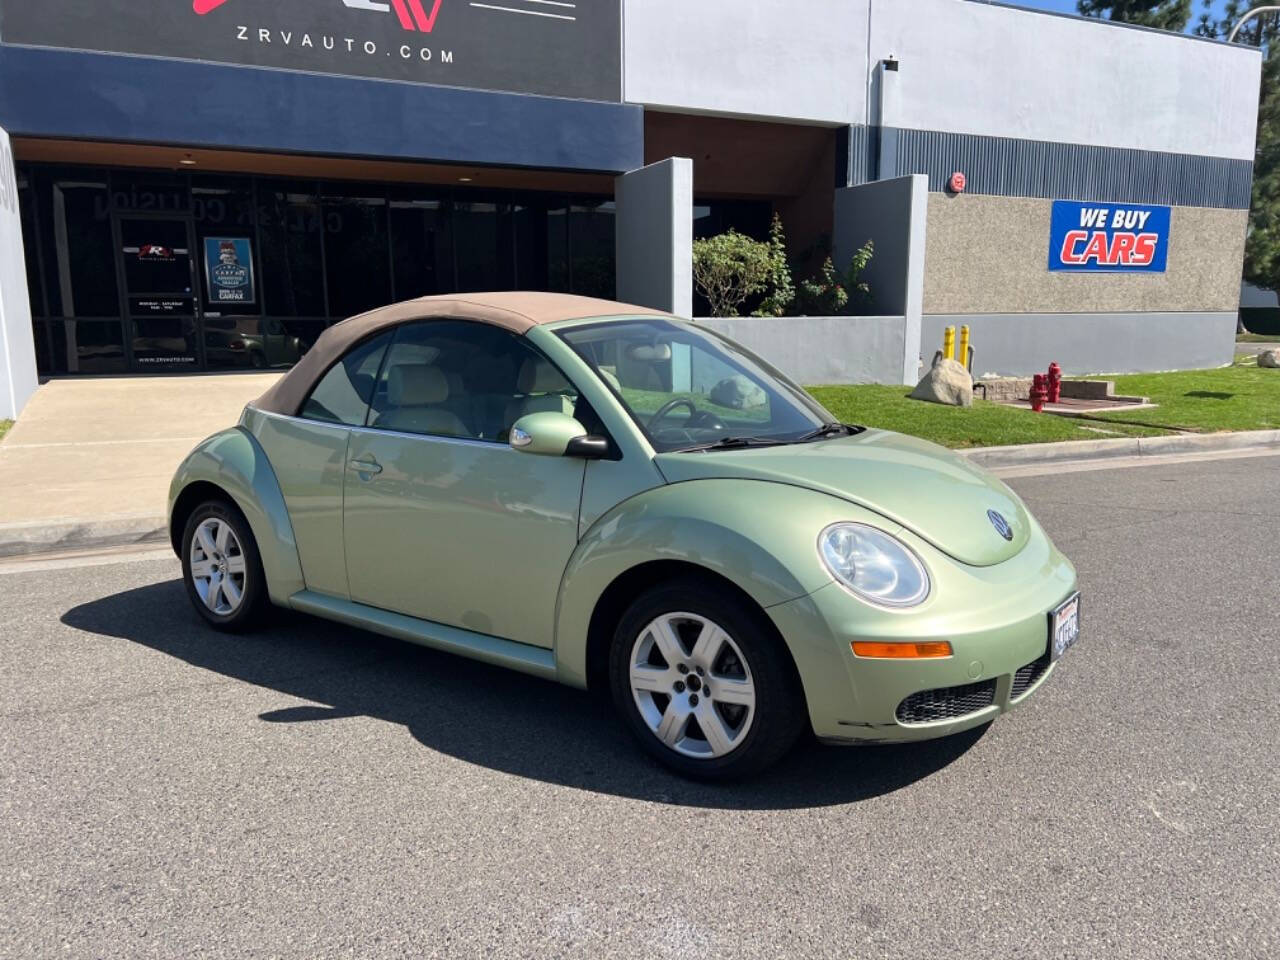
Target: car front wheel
x=705 y=687
x=222 y=569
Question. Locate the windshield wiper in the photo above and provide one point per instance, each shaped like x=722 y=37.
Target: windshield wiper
x=731 y=443
x=832 y=429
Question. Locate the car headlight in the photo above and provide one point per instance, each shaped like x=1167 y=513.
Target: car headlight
x=877 y=567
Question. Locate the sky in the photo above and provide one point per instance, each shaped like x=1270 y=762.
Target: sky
x=1069 y=6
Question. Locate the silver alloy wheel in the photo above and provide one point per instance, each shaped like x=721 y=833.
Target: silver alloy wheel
x=692 y=685
x=218 y=566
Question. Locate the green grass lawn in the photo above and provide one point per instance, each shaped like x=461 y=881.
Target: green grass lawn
x=4 y=427
x=1240 y=397
x=1257 y=337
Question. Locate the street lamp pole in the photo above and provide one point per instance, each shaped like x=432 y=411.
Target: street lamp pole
x=1256 y=11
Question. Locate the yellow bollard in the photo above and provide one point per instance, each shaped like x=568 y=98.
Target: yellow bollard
x=964 y=345
x=949 y=343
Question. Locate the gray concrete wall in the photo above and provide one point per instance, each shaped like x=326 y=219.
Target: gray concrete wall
x=989 y=254
x=1026 y=343
x=993 y=70
x=17 y=347
x=821 y=350
x=762 y=59
x=893 y=215
x=653 y=227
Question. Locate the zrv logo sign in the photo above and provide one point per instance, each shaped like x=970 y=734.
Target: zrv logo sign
x=555 y=48
x=411 y=13
x=1113 y=237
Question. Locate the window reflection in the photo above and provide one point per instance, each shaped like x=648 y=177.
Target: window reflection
x=316 y=252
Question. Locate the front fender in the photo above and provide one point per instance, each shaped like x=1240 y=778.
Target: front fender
x=234 y=462
x=759 y=535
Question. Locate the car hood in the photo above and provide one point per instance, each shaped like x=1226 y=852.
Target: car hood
x=938 y=494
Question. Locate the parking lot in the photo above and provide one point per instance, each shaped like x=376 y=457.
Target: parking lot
x=313 y=791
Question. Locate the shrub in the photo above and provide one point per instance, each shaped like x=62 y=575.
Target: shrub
x=728 y=268
x=781 y=292
x=834 y=293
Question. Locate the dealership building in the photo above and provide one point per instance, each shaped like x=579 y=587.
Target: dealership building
x=202 y=185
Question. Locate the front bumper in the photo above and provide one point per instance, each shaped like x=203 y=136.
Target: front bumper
x=996 y=619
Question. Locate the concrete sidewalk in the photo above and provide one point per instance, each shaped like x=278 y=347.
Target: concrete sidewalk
x=90 y=461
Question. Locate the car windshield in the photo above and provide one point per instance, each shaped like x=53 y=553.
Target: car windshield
x=691 y=389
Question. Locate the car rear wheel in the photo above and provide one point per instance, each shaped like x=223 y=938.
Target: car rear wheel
x=707 y=689
x=222 y=569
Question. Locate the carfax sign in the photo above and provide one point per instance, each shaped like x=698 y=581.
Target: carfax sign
x=228 y=266
x=1108 y=237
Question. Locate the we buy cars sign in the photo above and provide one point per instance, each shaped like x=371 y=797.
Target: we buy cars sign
x=1108 y=237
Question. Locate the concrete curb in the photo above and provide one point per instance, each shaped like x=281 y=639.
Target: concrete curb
x=1075 y=451
x=52 y=536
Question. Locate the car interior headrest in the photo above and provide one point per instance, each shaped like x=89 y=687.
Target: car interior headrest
x=650 y=352
x=416 y=385
x=539 y=376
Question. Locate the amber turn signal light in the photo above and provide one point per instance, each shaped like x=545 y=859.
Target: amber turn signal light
x=901 y=651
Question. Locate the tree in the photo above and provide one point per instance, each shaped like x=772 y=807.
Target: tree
x=1262 y=244
x=1161 y=14
x=728 y=268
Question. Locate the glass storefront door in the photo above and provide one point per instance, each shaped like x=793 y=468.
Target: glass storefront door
x=158 y=263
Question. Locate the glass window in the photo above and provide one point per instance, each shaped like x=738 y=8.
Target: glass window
x=292 y=264
x=687 y=387
x=78 y=251
x=164 y=339
x=421 y=248
x=157 y=258
x=591 y=244
x=27 y=211
x=484 y=254
x=86 y=346
x=357 y=257
x=150 y=192
x=342 y=395
x=458 y=379
x=558 y=250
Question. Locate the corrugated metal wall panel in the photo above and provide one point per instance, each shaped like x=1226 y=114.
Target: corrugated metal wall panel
x=1010 y=167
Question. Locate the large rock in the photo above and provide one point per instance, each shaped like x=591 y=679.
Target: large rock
x=1269 y=358
x=946 y=382
x=739 y=393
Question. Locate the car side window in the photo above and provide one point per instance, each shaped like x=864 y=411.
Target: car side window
x=457 y=378
x=343 y=394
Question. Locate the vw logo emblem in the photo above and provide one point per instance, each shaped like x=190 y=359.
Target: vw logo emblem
x=1001 y=524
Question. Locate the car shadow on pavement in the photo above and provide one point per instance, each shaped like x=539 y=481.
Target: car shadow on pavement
x=486 y=715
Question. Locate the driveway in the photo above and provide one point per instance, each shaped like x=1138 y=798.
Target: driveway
x=313 y=791
x=106 y=448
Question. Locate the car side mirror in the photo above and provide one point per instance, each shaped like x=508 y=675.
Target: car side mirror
x=552 y=434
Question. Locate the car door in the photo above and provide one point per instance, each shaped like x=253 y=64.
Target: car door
x=443 y=519
x=308 y=454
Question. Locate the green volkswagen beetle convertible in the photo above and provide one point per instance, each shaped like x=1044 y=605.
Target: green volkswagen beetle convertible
x=613 y=498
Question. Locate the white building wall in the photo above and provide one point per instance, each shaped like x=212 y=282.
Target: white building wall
x=17 y=348
x=966 y=67
x=987 y=69
x=772 y=59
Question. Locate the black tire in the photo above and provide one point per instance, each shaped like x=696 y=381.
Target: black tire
x=252 y=610
x=780 y=715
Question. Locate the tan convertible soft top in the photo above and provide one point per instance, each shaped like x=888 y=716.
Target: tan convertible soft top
x=514 y=311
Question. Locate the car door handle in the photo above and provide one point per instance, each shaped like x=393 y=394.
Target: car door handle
x=366 y=466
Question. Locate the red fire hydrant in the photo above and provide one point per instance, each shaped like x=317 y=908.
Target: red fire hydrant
x=1054 y=383
x=1038 y=392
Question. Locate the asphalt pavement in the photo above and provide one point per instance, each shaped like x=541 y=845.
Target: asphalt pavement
x=314 y=791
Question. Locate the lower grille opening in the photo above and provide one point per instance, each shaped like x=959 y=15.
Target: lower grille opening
x=947 y=703
x=1026 y=676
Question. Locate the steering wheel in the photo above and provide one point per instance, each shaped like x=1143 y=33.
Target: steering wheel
x=670 y=405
